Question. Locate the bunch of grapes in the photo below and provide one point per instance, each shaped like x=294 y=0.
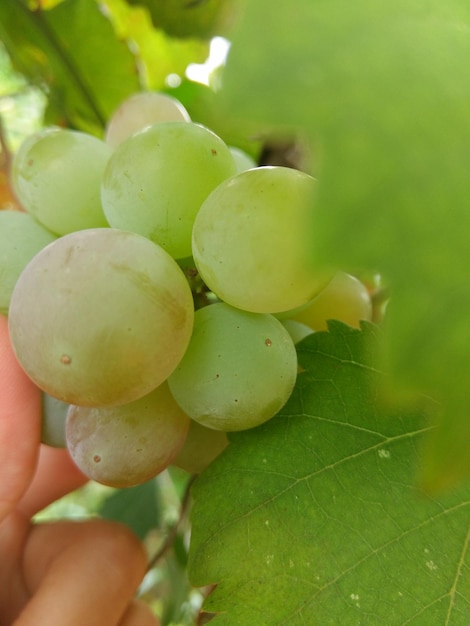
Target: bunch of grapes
x=156 y=285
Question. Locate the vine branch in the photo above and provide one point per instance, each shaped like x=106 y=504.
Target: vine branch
x=173 y=532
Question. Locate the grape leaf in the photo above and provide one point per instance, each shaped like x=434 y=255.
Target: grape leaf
x=193 y=18
x=382 y=91
x=138 y=507
x=313 y=518
x=159 y=54
x=58 y=49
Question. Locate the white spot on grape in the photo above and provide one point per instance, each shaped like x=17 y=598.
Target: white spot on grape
x=269 y=559
x=266 y=522
x=384 y=454
x=431 y=565
x=291 y=564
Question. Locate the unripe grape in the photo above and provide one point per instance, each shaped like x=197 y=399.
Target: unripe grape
x=345 y=299
x=243 y=161
x=201 y=447
x=296 y=330
x=57 y=177
x=100 y=317
x=53 y=418
x=238 y=371
x=21 y=238
x=252 y=240
x=129 y=444
x=157 y=179
x=141 y=110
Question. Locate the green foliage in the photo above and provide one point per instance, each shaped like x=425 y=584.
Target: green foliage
x=138 y=507
x=193 y=18
x=314 y=518
x=48 y=48
x=322 y=515
x=382 y=91
x=158 y=54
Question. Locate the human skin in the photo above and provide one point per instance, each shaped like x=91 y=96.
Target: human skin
x=62 y=573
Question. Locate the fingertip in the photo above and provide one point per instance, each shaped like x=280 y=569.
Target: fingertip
x=20 y=410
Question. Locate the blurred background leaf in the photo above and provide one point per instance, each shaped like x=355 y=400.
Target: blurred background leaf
x=57 y=50
x=382 y=92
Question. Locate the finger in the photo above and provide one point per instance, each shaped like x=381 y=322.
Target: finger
x=80 y=573
x=139 y=614
x=20 y=402
x=56 y=475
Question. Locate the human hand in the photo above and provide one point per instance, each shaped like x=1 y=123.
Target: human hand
x=59 y=573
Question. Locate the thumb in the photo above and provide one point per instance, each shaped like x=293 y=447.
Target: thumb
x=20 y=402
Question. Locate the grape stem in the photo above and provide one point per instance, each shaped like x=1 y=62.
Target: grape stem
x=379 y=298
x=173 y=531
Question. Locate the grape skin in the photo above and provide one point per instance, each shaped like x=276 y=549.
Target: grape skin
x=53 y=418
x=157 y=179
x=129 y=444
x=238 y=371
x=100 y=317
x=141 y=110
x=252 y=240
x=21 y=238
x=57 y=178
x=202 y=446
x=243 y=161
x=345 y=299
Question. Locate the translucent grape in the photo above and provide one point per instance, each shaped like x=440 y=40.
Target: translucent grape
x=243 y=161
x=57 y=177
x=296 y=330
x=238 y=371
x=345 y=299
x=100 y=317
x=252 y=240
x=157 y=179
x=141 y=110
x=129 y=444
x=201 y=447
x=21 y=237
x=54 y=415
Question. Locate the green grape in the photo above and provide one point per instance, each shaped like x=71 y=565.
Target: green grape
x=157 y=179
x=21 y=237
x=141 y=110
x=345 y=299
x=252 y=240
x=129 y=444
x=238 y=371
x=53 y=418
x=296 y=330
x=243 y=161
x=201 y=447
x=100 y=317
x=57 y=177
